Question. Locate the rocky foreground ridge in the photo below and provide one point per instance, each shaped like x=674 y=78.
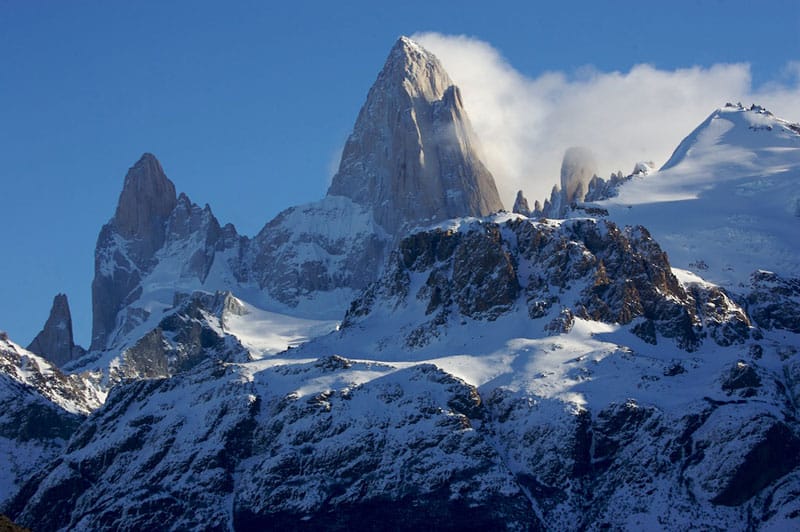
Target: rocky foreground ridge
x=644 y=431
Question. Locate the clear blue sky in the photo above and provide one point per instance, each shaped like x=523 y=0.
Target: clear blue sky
x=247 y=103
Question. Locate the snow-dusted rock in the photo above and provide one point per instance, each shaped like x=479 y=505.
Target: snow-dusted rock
x=319 y=255
x=40 y=408
x=323 y=444
x=774 y=302
x=483 y=269
x=157 y=243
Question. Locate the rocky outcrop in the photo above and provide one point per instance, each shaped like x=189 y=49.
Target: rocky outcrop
x=146 y=201
x=333 y=245
x=413 y=158
x=188 y=334
x=333 y=442
x=521 y=205
x=594 y=269
x=726 y=464
x=579 y=186
x=774 y=301
x=55 y=342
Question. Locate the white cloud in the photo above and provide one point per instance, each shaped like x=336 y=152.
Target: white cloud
x=526 y=124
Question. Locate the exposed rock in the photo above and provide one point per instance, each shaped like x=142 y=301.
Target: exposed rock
x=127 y=243
x=592 y=270
x=333 y=244
x=413 y=157
x=7 y=525
x=774 y=302
x=521 y=205
x=741 y=452
x=562 y=323
x=190 y=334
x=411 y=160
x=146 y=201
x=55 y=342
x=742 y=378
x=726 y=322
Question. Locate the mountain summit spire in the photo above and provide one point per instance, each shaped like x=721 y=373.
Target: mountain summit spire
x=413 y=156
x=145 y=204
x=55 y=341
x=147 y=199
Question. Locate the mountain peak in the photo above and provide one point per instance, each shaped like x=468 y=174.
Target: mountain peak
x=146 y=201
x=735 y=126
x=414 y=69
x=55 y=342
x=413 y=157
x=408 y=46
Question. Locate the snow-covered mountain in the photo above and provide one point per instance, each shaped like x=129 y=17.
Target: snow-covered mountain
x=727 y=203
x=560 y=376
x=411 y=160
x=395 y=356
x=40 y=408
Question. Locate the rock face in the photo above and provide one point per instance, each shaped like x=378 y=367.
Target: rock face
x=521 y=205
x=186 y=336
x=592 y=270
x=228 y=443
x=127 y=244
x=147 y=200
x=501 y=373
x=155 y=239
x=55 y=342
x=774 y=302
x=411 y=160
x=319 y=255
x=413 y=157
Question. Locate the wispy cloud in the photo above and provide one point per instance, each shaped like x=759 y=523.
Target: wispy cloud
x=525 y=124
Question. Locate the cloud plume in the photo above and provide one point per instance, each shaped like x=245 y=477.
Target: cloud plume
x=526 y=124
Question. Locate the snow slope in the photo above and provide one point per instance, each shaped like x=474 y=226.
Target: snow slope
x=728 y=201
x=266 y=333
x=40 y=408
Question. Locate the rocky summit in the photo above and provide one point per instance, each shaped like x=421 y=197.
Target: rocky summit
x=399 y=355
x=413 y=157
x=55 y=342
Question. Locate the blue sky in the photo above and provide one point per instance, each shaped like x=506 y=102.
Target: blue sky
x=247 y=104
